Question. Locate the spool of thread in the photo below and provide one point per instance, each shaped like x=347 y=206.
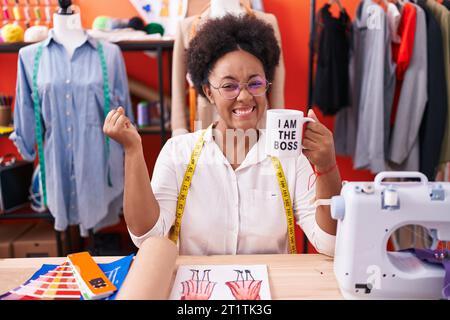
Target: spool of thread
x=26 y=12
x=16 y=13
x=143 y=118
x=37 y=13
x=48 y=14
x=5 y=14
x=390 y=197
x=153 y=28
x=5 y=116
x=119 y=23
x=102 y=23
x=136 y=23
x=12 y=33
x=5 y=110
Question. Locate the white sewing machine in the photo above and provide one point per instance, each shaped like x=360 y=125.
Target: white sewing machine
x=368 y=213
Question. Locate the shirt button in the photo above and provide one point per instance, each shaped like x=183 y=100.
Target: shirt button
x=68 y=81
x=67 y=96
x=69 y=129
x=68 y=113
x=68 y=146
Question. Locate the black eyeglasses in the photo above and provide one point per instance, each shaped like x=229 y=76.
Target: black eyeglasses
x=230 y=89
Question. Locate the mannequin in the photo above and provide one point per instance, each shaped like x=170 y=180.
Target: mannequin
x=67 y=27
x=205 y=112
x=60 y=105
x=220 y=8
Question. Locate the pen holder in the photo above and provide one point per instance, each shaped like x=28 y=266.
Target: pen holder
x=5 y=116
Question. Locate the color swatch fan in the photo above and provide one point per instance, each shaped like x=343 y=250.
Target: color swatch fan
x=94 y=284
x=49 y=283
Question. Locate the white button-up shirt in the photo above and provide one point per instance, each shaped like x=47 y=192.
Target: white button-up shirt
x=232 y=211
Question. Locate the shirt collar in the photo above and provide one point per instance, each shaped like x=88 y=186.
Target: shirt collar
x=256 y=154
x=51 y=37
x=208 y=134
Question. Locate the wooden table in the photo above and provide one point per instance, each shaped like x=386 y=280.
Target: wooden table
x=303 y=276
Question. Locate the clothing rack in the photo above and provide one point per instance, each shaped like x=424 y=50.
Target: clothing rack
x=312 y=35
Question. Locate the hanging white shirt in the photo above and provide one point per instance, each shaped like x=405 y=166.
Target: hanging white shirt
x=393 y=18
x=232 y=211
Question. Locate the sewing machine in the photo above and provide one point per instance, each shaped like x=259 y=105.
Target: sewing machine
x=368 y=213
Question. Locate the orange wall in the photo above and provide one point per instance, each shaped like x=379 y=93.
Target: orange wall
x=293 y=19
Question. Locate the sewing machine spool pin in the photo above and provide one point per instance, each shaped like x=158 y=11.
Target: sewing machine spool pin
x=390 y=199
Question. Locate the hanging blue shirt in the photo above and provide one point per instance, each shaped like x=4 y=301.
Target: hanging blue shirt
x=72 y=101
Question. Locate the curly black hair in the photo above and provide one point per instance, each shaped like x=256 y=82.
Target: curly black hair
x=220 y=36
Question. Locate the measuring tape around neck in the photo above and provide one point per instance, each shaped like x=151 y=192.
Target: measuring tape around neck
x=189 y=173
x=37 y=114
x=286 y=202
x=187 y=179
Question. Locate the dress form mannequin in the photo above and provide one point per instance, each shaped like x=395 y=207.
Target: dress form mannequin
x=220 y=8
x=67 y=28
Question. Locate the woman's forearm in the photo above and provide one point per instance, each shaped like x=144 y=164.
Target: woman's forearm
x=141 y=208
x=327 y=186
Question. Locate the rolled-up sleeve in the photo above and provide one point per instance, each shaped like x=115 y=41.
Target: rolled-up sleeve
x=165 y=188
x=305 y=211
x=24 y=136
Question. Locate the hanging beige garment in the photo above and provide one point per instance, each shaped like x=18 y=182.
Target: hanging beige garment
x=206 y=112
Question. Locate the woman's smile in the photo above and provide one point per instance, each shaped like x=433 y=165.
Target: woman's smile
x=244 y=113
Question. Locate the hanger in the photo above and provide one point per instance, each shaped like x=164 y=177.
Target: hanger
x=338 y=2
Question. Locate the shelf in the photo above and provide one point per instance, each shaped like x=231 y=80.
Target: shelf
x=25 y=213
x=156 y=129
x=149 y=45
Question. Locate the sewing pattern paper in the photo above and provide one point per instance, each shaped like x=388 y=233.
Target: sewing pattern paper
x=221 y=282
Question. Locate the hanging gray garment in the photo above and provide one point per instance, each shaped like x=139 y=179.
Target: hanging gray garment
x=404 y=142
x=362 y=130
x=346 y=121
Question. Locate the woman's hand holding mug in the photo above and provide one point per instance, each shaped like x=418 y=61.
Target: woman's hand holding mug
x=285 y=137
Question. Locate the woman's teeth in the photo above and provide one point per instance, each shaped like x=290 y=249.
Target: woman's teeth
x=243 y=111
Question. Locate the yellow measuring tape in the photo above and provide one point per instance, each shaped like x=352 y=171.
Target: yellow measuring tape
x=181 y=202
x=287 y=203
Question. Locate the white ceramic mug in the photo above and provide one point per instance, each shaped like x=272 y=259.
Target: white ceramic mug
x=284 y=129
